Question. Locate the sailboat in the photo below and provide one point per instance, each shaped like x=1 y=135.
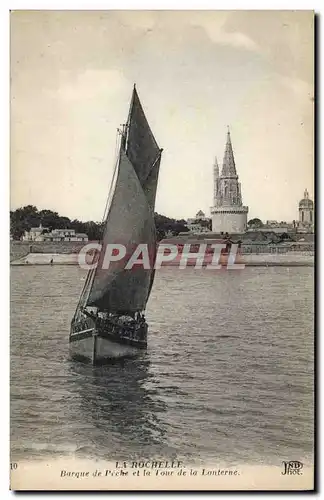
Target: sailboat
x=109 y=320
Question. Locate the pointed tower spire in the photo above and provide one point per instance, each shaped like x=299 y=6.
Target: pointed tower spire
x=216 y=180
x=216 y=168
x=228 y=213
x=229 y=169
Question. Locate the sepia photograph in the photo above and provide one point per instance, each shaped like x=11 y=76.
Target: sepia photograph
x=162 y=248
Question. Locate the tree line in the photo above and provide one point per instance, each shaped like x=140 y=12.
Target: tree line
x=24 y=218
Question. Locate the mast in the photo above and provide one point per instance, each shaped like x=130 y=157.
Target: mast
x=129 y=118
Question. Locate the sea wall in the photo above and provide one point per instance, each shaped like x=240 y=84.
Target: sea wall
x=251 y=247
x=19 y=249
x=280 y=248
x=269 y=260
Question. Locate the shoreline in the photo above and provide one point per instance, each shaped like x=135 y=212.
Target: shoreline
x=291 y=259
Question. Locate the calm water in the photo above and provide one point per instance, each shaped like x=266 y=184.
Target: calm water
x=228 y=376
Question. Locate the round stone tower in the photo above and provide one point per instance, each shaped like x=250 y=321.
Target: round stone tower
x=228 y=213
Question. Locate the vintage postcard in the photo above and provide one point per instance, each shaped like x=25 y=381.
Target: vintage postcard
x=162 y=250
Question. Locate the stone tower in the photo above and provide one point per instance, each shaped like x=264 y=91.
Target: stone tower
x=228 y=213
x=306 y=210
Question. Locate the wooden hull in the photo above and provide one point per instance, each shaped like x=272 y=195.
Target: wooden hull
x=99 y=345
x=98 y=350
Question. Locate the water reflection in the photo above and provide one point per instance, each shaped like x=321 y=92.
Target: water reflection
x=120 y=402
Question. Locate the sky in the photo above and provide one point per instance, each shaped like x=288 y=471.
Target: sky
x=196 y=72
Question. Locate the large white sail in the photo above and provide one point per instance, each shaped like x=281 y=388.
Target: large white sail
x=130 y=222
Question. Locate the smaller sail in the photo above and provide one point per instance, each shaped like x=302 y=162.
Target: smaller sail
x=142 y=149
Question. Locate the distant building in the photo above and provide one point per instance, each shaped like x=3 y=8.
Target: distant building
x=65 y=235
x=200 y=215
x=275 y=227
x=278 y=228
x=228 y=213
x=197 y=228
x=35 y=233
x=43 y=234
x=199 y=224
x=306 y=213
x=305 y=224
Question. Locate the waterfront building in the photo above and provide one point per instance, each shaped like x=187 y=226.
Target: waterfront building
x=44 y=234
x=229 y=215
x=35 y=233
x=65 y=235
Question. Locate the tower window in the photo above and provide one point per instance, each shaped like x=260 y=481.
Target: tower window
x=311 y=216
x=303 y=216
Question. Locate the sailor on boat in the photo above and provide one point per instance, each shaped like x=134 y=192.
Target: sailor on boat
x=90 y=314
